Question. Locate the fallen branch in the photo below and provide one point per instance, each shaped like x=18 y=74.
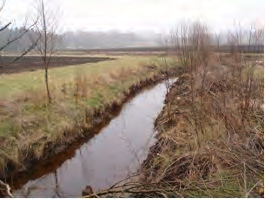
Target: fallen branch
x=8 y=189
x=212 y=93
x=138 y=190
x=129 y=191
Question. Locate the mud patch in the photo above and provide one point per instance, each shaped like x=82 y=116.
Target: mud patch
x=32 y=63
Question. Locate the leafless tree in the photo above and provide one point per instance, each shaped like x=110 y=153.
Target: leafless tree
x=259 y=38
x=250 y=34
x=231 y=42
x=46 y=31
x=194 y=44
x=217 y=42
x=11 y=39
x=255 y=38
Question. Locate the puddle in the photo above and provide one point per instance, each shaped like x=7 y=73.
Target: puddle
x=110 y=156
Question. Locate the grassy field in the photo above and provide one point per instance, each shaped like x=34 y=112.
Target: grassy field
x=27 y=123
x=16 y=84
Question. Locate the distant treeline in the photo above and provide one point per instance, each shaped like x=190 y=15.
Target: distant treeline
x=108 y=41
x=242 y=48
x=21 y=39
x=79 y=40
x=172 y=49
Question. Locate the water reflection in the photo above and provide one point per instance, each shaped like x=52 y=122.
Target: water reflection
x=110 y=156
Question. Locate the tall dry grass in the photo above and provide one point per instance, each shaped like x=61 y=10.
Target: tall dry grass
x=211 y=130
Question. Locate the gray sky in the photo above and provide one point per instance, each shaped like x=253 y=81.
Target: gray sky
x=158 y=16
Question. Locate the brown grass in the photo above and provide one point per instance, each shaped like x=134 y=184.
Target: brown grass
x=211 y=131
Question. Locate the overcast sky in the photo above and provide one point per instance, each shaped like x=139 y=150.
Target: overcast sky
x=143 y=15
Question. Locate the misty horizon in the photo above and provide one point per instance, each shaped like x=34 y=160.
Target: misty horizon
x=122 y=24
x=140 y=16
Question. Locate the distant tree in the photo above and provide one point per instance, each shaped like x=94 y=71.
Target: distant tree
x=217 y=43
x=259 y=40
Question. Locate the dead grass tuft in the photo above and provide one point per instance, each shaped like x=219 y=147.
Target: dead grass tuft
x=211 y=135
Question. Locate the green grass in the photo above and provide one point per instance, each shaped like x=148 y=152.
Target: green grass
x=17 y=84
x=29 y=119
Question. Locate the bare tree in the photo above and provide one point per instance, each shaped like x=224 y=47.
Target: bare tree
x=250 y=35
x=217 y=43
x=259 y=39
x=12 y=39
x=46 y=31
x=194 y=44
x=255 y=38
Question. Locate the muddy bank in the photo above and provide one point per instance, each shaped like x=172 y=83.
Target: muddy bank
x=55 y=152
x=175 y=114
x=157 y=148
x=114 y=153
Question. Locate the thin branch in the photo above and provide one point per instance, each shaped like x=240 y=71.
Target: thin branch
x=113 y=186
x=7 y=25
x=18 y=37
x=24 y=53
x=139 y=191
x=3 y=5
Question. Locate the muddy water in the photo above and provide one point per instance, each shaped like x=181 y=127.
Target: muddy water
x=110 y=156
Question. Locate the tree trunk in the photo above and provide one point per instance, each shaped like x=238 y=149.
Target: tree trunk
x=47 y=85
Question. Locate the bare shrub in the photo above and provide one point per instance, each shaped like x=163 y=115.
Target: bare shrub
x=214 y=142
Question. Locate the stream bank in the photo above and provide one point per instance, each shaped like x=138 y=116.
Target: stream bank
x=55 y=152
x=210 y=140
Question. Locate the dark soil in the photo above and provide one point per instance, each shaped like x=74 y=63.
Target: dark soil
x=32 y=63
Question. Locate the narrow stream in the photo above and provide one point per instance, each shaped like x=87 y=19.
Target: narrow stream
x=110 y=156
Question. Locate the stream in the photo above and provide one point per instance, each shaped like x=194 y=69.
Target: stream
x=110 y=156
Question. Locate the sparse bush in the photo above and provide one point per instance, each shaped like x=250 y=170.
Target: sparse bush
x=211 y=143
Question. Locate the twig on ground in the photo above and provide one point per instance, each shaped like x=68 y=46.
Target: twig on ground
x=8 y=189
